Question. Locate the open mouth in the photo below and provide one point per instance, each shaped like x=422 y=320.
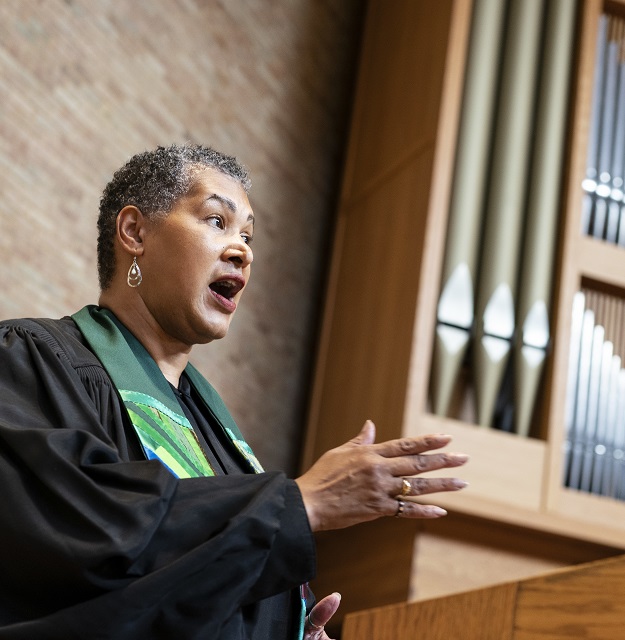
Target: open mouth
x=225 y=290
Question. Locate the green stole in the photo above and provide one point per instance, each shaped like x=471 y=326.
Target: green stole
x=159 y=422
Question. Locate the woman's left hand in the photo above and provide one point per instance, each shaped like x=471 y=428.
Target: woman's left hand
x=319 y=616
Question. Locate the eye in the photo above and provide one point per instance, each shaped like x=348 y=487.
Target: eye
x=215 y=221
x=247 y=238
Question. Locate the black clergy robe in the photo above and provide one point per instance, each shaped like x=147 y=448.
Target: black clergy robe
x=97 y=542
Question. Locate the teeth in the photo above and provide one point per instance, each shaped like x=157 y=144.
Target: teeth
x=227 y=284
x=225 y=287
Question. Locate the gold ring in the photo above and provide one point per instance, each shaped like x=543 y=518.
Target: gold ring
x=405 y=488
x=400 y=508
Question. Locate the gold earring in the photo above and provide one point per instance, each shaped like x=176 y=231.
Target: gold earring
x=134 y=274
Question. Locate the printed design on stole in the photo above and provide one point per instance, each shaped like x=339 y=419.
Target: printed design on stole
x=245 y=450
x=166 y=436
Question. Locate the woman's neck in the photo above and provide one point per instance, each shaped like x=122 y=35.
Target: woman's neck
x=170 y=355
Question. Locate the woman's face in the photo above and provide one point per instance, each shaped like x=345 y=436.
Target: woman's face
x=196 y=261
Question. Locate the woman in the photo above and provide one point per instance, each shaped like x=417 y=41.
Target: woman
x=133 y=508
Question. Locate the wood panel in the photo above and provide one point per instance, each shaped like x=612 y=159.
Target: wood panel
x=369 y=565
x=485 y=614
x=586 y=602
x=595 y=515
x=459 y=552
x=579 y=602
x=398 y=97
x=367 y=361
x=600 y=261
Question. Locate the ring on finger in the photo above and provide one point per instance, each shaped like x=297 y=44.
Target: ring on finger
x=312 y=624
x=400 y=508
x=406 y=487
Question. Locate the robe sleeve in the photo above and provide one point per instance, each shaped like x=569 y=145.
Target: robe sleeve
x=90 y=533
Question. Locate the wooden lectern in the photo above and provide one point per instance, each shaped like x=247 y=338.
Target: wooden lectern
x=586 y=601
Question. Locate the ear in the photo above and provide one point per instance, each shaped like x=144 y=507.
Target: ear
x=131 y=230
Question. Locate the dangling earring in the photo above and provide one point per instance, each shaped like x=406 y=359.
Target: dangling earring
x=134 y=274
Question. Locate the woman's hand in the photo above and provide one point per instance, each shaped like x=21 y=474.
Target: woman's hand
x=361 y=481
x=319 y=617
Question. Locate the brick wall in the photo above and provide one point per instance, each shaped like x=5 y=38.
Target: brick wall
x=84 y=84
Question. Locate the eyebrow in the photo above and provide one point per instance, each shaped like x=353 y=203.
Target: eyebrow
x=230 y=204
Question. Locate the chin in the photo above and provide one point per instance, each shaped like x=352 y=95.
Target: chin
x=208 y=326
x=218 y=335
x=212 y=332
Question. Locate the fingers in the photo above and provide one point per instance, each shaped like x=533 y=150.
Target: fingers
x=416 y=464
x=359 y=480
x=324 y=610
x=412 y=487
x=411 y=446
x=400 y=446
x=366 y=435
x=406 y=458
x=406 y=509
x=320 y=616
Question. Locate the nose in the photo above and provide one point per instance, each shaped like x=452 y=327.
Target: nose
x=238 y=252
